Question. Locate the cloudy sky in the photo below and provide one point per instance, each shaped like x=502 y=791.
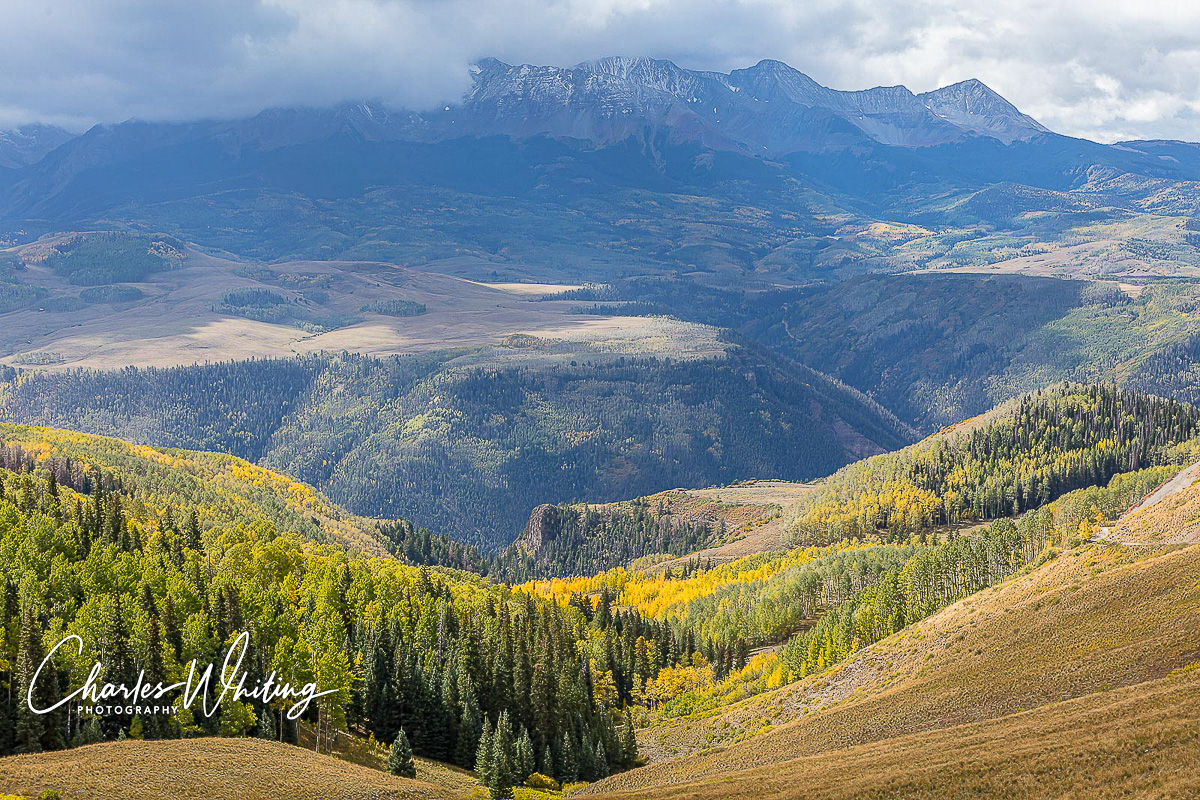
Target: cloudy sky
x=1102 y=69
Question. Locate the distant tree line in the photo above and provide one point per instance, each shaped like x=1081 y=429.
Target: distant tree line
x=1034 y=450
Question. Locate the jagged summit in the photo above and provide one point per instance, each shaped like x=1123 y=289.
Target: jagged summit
x=974 y=106
x=769 y=109
x=770 y=106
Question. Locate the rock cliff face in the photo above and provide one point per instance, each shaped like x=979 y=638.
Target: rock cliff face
x=543 y=526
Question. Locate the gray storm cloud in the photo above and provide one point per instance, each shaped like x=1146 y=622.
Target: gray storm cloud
x=1101 y=69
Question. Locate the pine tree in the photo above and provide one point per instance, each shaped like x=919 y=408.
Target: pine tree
x=400 y=759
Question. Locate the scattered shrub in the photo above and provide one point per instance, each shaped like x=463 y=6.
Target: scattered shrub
x=539 y=781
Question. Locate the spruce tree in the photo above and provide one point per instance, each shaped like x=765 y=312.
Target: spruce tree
x=503 y=755
x=483 y=754
x=156 y=726
x=266 y=725
x=191 y=532
x=568 y=771
x=30 y=652
x=469 y=729
x=629 y=748
x=599 y=762
x=170 y=627
x=400 y=759
x=524 y=761
x=89 y=733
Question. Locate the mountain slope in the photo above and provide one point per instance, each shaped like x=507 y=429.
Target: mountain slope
x=1170 y=515
x=1139 y=741
x=1016 y=457
x=1077 y=627
x=106 y=561
x=971 y=105
x=625 y=165
x=468 y=443
x=937 y=348
x=613 y=98
x=221 y=488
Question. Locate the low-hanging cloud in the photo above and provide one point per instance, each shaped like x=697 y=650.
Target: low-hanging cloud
x=1101 y=69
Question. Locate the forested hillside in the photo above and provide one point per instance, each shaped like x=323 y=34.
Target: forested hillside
x=449 y=659
x=470 y=449
x=934 y=577
x=937 y=348
x=1080 y=672
x=220 y=489
x=1017 y=458
x=824 y=604
x=233 y=407
x=159 y=557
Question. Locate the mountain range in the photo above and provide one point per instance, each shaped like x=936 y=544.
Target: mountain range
x=768 y=107
x=587 y=170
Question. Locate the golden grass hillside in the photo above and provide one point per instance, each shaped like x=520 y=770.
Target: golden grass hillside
x=221 y=487
x=1170 y=515
x=752 y=512
x=1140 y=741
x=1093 y=620
x=204 y=769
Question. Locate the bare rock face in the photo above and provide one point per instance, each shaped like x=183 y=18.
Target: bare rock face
x=542 y=527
